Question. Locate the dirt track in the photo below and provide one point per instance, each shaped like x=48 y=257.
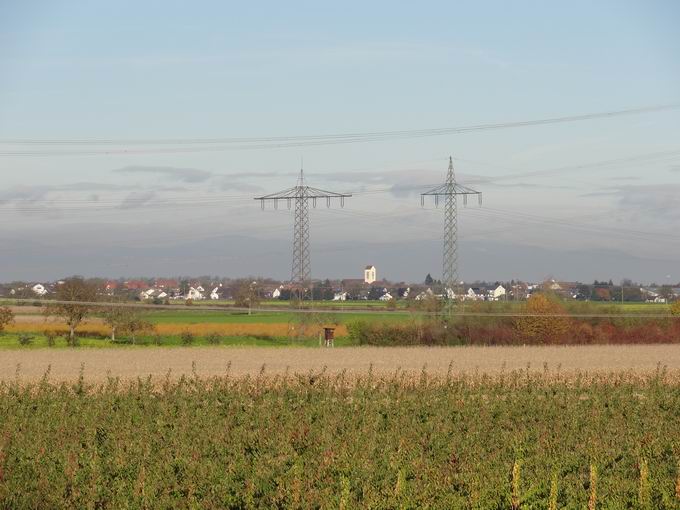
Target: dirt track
x=132 y=362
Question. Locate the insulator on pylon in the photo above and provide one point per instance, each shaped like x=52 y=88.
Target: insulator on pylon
x=479 y=199
x=422 y=201
x=436 y=200
x=262 y=204
x=328 y=201
x=288 y=200
x=276 y=204
x=314 y=202
x=464 y=200
x=342 y=201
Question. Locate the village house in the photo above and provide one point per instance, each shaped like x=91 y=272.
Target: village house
x=136 y=285
x=39 y=289
x=652 y=295
x=474 y=294
x=496 y=293
x=195 y=293
x=424 y=294
x=215 y=293
x=110 y=287
x=564 y=289
x=166 y=284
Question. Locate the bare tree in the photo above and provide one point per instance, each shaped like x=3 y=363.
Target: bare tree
x=247 y=295
x=115 y=317
x=78 y=291
x=126 y=320
x=136 y=325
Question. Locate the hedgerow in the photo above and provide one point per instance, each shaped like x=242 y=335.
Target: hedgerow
x=542 y=320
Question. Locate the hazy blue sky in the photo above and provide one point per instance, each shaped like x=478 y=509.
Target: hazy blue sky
x=140 y=70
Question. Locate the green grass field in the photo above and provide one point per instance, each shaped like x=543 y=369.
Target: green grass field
x=39 y=341
x=377 y=313
x=204 y=316
x=515 y=441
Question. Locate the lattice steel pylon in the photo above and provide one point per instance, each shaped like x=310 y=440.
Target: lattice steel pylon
x=450 y=191
x=301 y=194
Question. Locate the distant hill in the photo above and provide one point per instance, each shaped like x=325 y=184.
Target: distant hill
x=53 y=256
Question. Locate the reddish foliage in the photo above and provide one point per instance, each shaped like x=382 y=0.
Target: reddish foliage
x=505 y=332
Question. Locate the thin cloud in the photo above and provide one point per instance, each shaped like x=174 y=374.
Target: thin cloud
x=252 y=175
x=229 y=183
x=656 y=202
x=187 y=175
x=137 y=199
x=401 y=183
x=41 y=192
x=526 y=185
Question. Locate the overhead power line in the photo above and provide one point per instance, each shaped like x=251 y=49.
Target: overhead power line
x=179 y=145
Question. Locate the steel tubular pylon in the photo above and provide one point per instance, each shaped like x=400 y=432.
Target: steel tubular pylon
x=301 y=195
x=450 y=191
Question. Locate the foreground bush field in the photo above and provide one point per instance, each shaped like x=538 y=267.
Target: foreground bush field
x=518 y=440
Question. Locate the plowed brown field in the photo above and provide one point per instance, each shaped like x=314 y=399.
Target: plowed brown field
x=65 y=364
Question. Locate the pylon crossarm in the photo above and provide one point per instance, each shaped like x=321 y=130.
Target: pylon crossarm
x=305 y=192
x=445 y=189
x=288 y=193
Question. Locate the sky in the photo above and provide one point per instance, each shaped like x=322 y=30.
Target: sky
x=582 y=200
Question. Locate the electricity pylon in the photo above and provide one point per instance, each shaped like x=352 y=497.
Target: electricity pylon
x=301 y=194
x=450 y=191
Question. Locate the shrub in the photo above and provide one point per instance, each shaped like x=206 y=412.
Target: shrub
x=187 y=337
x=548 y=329
x=521 y=439
x=426 y=333
x=25 y=340
x=675 y=308
x=6 y=317
x=213 y=338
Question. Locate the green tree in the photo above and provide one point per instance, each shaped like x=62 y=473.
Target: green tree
x=428 y=279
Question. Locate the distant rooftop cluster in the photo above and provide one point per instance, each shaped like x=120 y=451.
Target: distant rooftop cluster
x=369 y=288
